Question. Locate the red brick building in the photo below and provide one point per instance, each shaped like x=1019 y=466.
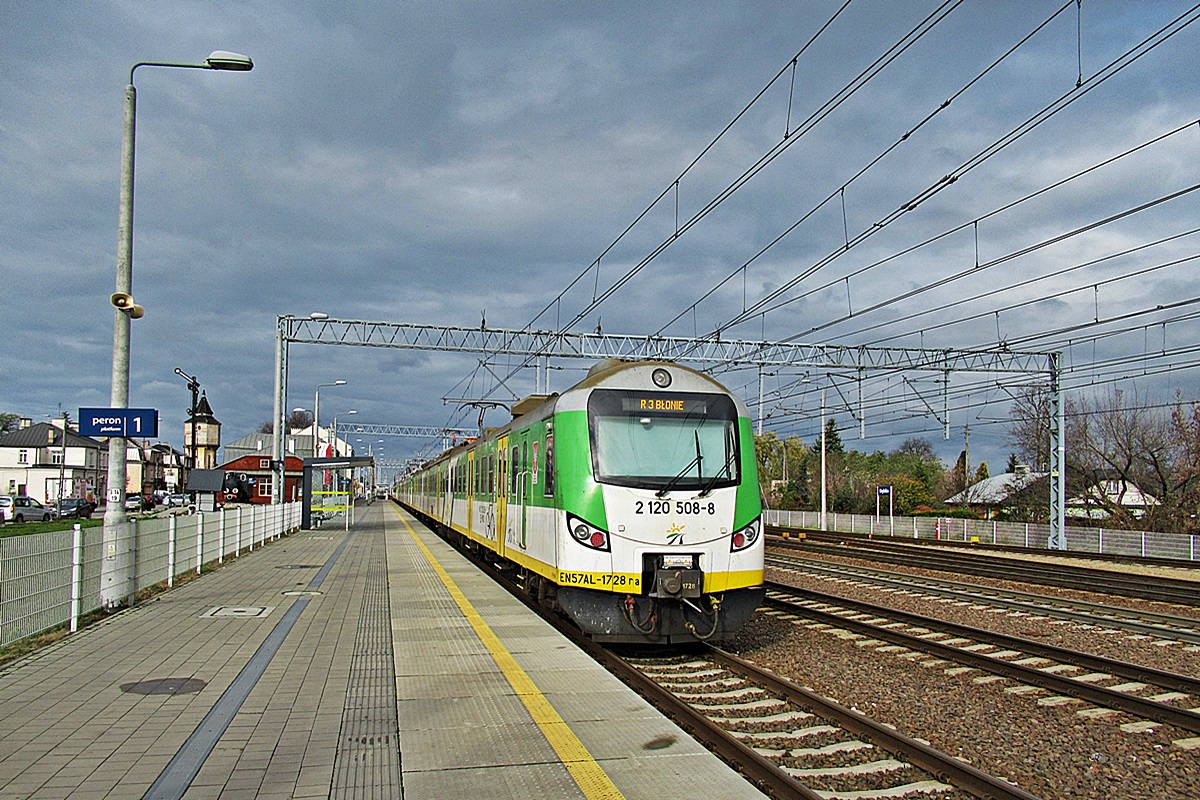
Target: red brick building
x=260 y=479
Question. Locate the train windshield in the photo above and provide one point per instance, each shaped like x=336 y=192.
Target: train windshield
x=664 y=440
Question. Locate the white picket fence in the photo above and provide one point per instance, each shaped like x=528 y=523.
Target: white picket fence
x=51 y=579
x=1144 y=544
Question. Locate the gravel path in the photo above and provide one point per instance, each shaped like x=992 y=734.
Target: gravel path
x=1047 y=749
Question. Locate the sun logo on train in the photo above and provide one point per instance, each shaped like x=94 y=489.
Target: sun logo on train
x=675 y=534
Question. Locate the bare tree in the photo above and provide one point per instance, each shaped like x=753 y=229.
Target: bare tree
x=1119 y=445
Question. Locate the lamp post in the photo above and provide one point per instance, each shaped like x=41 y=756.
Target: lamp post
x=116 y=579
x=336 y=451
x=317 y=415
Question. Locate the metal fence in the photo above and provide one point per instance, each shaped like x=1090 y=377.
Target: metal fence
x=1145 y=544
x=51 y=579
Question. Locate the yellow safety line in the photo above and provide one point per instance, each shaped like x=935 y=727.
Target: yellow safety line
x=588 y=775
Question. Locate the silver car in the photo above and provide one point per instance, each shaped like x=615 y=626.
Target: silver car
x=24 y=509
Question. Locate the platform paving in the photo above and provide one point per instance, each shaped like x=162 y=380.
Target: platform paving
x=373 y=663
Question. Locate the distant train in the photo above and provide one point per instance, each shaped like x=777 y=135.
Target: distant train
x=630 y=501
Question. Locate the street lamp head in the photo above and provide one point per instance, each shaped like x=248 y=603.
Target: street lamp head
x=223 y=59
x=339 y=383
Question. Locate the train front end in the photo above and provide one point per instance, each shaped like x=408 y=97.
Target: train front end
x=663 y=539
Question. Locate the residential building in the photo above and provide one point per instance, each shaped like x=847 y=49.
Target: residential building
x=36 y=459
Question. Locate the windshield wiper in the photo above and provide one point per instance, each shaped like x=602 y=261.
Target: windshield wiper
x=695 y=462
x=722 y=472
x=730 y=454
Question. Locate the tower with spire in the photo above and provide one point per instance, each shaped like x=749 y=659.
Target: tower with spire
x=207 y=435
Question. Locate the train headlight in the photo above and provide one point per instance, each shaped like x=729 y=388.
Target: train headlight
x=746 y=537
x=587 y=535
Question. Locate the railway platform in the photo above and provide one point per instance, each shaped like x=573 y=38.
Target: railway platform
x=369 y=663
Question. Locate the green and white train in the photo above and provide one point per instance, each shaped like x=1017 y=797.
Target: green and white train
x=630 y=501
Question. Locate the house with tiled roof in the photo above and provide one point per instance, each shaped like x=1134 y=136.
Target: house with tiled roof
x=37 y=458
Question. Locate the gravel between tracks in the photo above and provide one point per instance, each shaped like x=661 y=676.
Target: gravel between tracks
x=1049 y=750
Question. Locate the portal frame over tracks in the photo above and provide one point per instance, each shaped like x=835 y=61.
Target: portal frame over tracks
x=713 y=351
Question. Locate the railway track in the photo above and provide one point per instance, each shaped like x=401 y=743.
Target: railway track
x=813 y=534
x=1137 y=621
x=799 y=743
x=1104 y=682
x=1141 y=586
x=790 y=742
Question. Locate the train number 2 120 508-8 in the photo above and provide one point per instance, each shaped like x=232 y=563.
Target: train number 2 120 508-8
x=674 y=506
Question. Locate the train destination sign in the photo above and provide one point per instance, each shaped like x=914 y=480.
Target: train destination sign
x=668 y=405
x=139 y=422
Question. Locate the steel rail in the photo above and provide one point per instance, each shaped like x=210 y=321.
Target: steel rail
x=812 y=534
x=1123 y=669
x=1147 y=622
x=1097 y=695
x=941 y=765
x=1136 y=585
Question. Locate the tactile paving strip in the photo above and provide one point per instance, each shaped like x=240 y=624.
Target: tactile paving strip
x=367 y=761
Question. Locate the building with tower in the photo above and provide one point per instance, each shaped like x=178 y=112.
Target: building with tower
x=202 y=435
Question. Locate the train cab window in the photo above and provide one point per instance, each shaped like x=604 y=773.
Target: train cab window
x=681 y=440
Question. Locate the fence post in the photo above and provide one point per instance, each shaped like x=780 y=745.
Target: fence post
x=199 y=542
x=76 y=573
x=170 y=551
x=221 y=539
x=237 y=526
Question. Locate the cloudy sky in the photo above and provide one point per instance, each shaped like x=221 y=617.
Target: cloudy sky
x=898 y=174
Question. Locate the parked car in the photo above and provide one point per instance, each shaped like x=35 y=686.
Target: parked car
x=6 y=506
x=20 y=508
x=137 y=502
x=76 y=508
x=176 y=500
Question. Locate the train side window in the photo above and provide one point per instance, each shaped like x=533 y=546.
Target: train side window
x=514 y=469
x=549 y=466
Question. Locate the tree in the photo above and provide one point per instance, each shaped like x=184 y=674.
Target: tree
x=1116 y=444
x=299 y=420
x=1029 y=427
x=8 y=422
x=833 y=442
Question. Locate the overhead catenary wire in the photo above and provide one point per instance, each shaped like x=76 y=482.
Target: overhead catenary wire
x=1025 y=127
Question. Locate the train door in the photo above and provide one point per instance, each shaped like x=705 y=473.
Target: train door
x=501 y=492
x=524 y=489
x=470 y=490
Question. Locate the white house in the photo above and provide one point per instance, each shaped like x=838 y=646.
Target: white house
x=34 y=459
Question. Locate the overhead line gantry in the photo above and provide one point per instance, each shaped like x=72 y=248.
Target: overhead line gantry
x=543 y=345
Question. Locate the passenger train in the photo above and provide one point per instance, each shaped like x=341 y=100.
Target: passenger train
x=630 y=502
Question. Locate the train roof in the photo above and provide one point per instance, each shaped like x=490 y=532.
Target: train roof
x=608 y=371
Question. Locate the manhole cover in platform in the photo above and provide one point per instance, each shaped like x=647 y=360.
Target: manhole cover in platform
x=250 y=612
x=165 y=686
x=302 y=593
x=299 y=566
